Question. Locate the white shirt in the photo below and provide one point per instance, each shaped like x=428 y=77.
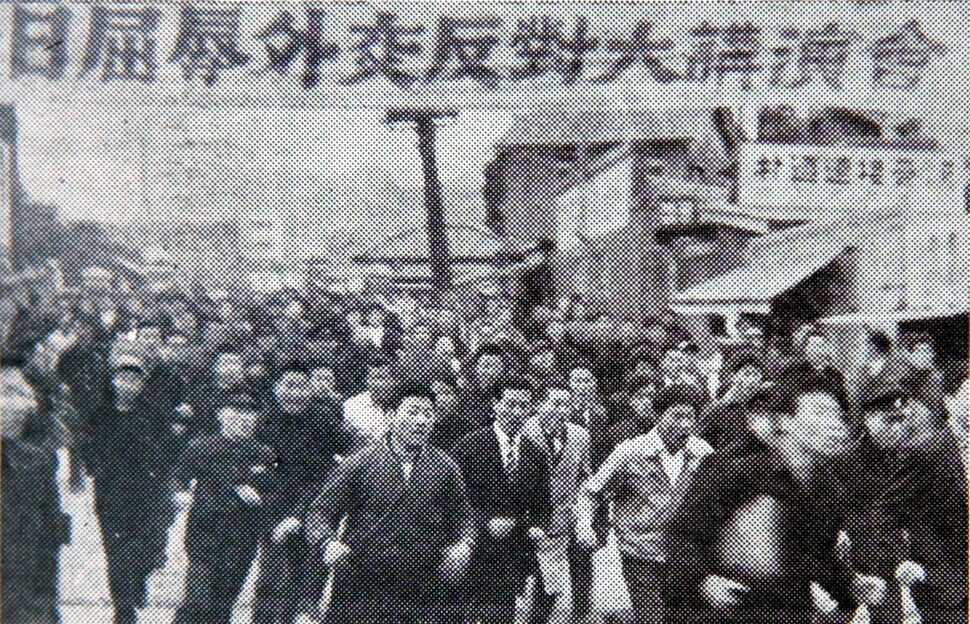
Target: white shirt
x=648 y=445
x=365 y=416
x=508 y=446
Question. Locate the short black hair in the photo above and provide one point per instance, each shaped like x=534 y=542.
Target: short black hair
x=581 y=363
x=641 y=382
x=412 y=389
x=881 y=342
x=489 y=348
x=445 y=378
x=518 y=383
x=747 y=359
x=292 y=366
x=789 y=394
x=678 y=394
x=550 y=385
x=380 y=360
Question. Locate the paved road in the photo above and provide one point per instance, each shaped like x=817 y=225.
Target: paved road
x=84 y=585
x=83 y=581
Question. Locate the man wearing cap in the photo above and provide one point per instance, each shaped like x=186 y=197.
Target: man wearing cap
x=131 y=451
x=233 y=486
x=645 y=478
x=909 y=525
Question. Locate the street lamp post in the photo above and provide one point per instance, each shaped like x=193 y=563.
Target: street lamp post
x=423 y=121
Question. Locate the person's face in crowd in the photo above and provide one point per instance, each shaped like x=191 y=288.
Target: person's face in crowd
x=676 y=424
x=380 y=382
x=447 y=318
x=128 y=385
x=293 y=391
x=503 y=314
x=818 y=425
x=746 y=380
x=323 y=382
x=185 y=323
x=150 y=336
x=489 y=370
x=644 y=368
x=958 y=412
x=19 y=403
x=760 y=421
x=229 y=370
x=554 y=410
x=513 y=409
x=579 y=311
x=627 y=332
x=674 y=363
x=225 y=311
x=921 y=356
x=293 y=311
x=817 y=351
x=267 y=342
x=543 y=363
x=555 y=330
x=375 y=318
x=641 y=404
x=445 y=397
x=238 y=423
x=412 y=421
x=582 y=383
x=655 y=333
x=444 y=346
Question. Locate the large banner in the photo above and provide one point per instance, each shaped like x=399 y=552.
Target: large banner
x=374 y=54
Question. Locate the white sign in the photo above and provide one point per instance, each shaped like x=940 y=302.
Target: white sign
x=465 y=54
x=848 y=178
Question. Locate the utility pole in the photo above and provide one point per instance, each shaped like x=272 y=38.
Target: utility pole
x=423 y=121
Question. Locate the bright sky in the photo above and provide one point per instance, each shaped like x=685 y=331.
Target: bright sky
x=91 y=166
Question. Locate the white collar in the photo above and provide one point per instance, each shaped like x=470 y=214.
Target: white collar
x=651 y=445
x=504 y=440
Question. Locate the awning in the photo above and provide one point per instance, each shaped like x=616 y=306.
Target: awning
x=902 y=316
x=749 y=289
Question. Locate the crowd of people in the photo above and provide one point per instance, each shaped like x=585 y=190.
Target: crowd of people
x=420 y=462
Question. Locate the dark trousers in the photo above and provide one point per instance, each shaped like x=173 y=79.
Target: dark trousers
x=644 y=580
x=133 y=529
x=279 y=589
x=581 y=577
x=219 y=559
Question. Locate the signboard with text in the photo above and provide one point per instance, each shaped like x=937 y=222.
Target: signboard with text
x=836 y=178
x=373 y=54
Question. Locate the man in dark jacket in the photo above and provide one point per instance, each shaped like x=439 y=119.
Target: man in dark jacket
x=33 y=526
x=754 y=540
x=485 y=383
x=235 y=484
x=815 y=367
x=508 y=486
x=132 y=452
x=305 y=442
x=910 y=525
x=394 y=521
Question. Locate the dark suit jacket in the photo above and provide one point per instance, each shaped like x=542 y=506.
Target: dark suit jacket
x=499 y=566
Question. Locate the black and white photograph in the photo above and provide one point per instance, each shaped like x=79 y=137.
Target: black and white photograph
x=484 y=312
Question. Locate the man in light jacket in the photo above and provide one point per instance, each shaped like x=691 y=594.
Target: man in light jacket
x=645 y=478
